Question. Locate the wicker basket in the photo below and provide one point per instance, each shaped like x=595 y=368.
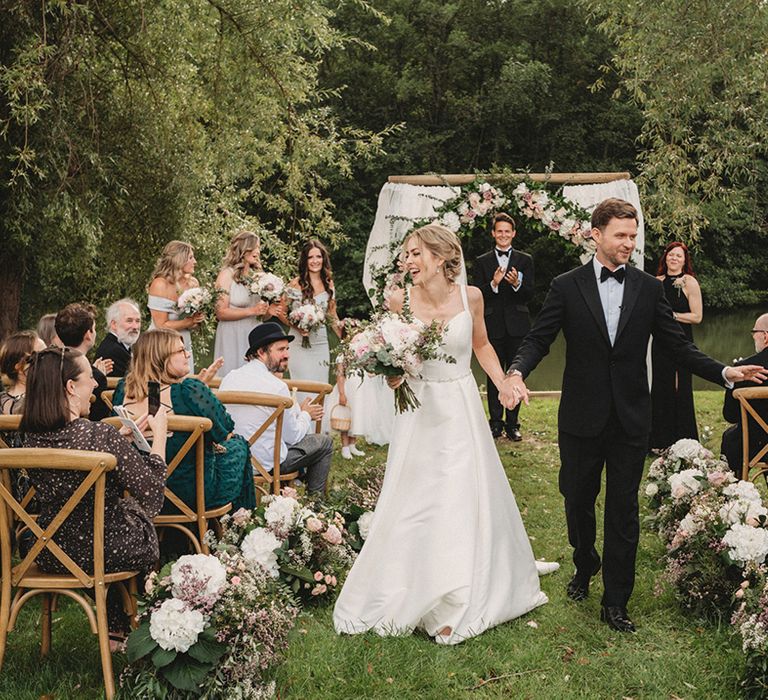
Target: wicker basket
x=341 y=417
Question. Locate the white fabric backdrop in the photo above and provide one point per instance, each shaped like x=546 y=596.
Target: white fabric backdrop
x=417 y=202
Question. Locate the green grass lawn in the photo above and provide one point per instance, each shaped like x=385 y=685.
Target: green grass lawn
x=569 y=654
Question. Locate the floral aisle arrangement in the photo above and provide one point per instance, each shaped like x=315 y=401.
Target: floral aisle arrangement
x=306 y=548
x=394 y=345
x=210 y=625
x=715 y=528
x=267 y=287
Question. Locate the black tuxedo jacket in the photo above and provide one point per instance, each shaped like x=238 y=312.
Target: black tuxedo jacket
x=732 y=413
x=599 y=376
x=112 y=349
x=506 y=312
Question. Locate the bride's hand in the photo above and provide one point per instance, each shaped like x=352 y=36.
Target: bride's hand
x=512 y=391
x=395 y=382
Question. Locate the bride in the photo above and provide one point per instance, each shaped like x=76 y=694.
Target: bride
x=447 y=550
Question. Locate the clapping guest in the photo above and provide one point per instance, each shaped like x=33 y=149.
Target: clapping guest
x=46 y=329
x=237 y=309
x=76 y=328
x=160 y=355
x=172 y=276
x=672 y=410
x=313 y=284
x=14 y=355
x=59 y=386
x=123 y=329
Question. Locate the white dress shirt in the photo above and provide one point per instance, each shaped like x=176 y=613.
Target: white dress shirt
x=611 y=297
x=503 y=261
x=254 y=376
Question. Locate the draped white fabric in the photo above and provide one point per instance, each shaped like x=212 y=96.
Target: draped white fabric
x=589 y=196
x=416 y=201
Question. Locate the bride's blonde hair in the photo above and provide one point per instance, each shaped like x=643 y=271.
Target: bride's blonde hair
x=443 y=243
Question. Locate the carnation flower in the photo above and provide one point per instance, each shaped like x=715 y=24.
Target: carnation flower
x=364 y=524
x=746 y=544
x=196 y=576
x=259 y=547
x=175 y=626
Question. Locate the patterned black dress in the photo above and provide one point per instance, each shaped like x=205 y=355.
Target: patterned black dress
x=673 y=413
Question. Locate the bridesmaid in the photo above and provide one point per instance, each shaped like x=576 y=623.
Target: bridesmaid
x=315 y=282
x=673 y=413
x=237 y=309
x=171 y=277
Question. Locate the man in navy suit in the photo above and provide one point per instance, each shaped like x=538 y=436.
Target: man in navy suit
x=505 y=277
x=607 y=311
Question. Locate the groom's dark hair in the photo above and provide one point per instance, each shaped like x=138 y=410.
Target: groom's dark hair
x=612 y=208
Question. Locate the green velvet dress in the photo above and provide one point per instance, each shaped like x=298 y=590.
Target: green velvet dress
x=228 y=474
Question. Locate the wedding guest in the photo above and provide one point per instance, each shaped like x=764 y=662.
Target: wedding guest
x=59 y=386
x=172 y=276
x=505 y=277
x=123 y=329
x=300 y=448
x=673 y=415
x=46 y=329
x=76 y=328
x=237 y=309
x=314 y=284
x=160 y=355
x=732 y=445
x=14 y=354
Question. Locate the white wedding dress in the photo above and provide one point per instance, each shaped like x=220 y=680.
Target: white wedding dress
x=447 y=546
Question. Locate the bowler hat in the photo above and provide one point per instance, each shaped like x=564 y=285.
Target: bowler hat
x=266 y=333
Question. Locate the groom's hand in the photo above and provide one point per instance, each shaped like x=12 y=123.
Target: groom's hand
x=744 y=373
x=513 y=391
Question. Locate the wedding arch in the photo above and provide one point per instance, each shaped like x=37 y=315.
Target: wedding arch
x=466 y=201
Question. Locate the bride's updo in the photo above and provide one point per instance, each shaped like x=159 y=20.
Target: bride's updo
x=443 y=243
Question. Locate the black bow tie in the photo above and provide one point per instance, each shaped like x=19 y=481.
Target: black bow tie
x=502 y=252
x=617 y=274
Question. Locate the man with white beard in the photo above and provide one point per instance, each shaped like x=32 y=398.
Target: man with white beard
x=124 y=327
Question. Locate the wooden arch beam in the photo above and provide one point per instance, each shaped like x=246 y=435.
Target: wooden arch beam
x=554 y=178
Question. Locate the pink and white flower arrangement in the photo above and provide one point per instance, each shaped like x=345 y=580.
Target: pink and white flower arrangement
x=259 y=547
x=307 y=317
x=198 y=579
x=175 y=626
x=266 y=286
x=194 y=300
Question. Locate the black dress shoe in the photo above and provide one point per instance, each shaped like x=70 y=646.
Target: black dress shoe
x=578 y=587
x=514 y=435
x=617 y=618
x=496 y=433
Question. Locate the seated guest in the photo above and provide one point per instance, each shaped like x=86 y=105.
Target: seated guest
x=160 y=355
x=76 y=328
x=59 y=385
x=123 y=328
x=731 y=445
x=46 y=329
x=14 y=354
x=300 y=448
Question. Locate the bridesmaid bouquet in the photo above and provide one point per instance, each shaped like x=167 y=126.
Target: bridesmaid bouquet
x=308 y=317
x=267 y=286
x=395 y=346
x=194 y=300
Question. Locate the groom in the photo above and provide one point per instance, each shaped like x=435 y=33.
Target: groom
x=607 y=311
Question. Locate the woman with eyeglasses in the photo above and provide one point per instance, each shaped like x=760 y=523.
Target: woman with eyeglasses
x=58 y=393
x=160 y=355
x=14 y=354
x=673 y=415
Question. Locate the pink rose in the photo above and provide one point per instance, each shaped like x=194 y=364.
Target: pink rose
x=318 y=576
x=716 y=478
x=740 y=593
x=328 y=579
x=314 y=524
x=319 y=589
x=332 y=535
x=241 y=516
x=333 y=580
x=290 y=492
x=235 y=580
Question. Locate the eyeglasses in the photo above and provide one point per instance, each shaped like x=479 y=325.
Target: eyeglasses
x=757 y=330
x=184 y=350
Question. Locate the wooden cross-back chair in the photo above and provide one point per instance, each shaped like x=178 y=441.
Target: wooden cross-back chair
x=320 y=389
x=9 y=426
x=265 y=481
x=112 y=383
x=191 y=521
x=752 y=466
x=24 y=581
x=106 y=397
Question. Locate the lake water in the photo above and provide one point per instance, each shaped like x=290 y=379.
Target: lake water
x=722 y=335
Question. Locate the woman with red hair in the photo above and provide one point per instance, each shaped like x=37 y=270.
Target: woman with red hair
x=673 y=413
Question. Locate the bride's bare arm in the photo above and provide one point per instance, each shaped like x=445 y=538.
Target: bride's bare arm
x=482 y=347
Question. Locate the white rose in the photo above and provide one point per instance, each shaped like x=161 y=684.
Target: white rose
x=259 y=547
x=364 y=524
x=451 y=221
x=203 y=572
x=174 y=626
x=651 y=490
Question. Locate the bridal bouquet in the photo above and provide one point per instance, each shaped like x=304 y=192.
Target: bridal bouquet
x=394 y=346
x=195 y=300
x=267 y=286
x=308 y=317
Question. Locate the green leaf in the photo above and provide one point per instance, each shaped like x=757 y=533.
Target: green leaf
x=161 y=657
x=301 y=573
x=185 y=673
x=139 y=643
x=207 y=649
